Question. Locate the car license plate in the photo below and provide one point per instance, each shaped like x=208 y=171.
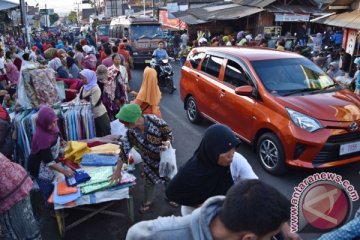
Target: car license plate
x=147 y=61
x=349 y=148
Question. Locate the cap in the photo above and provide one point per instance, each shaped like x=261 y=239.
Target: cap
x=129 y=113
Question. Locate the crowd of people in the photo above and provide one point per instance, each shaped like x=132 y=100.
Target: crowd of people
x=220 y=195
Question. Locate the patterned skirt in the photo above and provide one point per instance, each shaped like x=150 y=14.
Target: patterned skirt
x=18 y=223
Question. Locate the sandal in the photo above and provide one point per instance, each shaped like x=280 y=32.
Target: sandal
x=145 y=208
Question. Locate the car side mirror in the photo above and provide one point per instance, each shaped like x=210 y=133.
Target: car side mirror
x=244 y=90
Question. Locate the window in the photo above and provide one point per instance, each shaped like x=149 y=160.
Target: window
x=234 y=75
x=196 y=59
x=212 y=65
x=112 y=31
x=146 y=31
x=286 y=76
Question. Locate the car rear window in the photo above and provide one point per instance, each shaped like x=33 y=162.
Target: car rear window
x=284 y=76
x=212 y=65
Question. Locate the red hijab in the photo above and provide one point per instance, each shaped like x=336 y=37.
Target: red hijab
x=123 y=52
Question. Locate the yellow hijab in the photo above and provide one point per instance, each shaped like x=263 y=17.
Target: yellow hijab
x=149 y=90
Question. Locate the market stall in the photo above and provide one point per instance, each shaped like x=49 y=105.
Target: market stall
x=95 y=166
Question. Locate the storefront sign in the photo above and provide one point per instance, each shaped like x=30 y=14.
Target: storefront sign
x=289 y=17
x=351 y=40
x=273 y=31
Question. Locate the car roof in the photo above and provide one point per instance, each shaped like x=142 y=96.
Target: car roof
x=251 y=53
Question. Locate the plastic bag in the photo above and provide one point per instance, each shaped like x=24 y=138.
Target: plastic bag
x=136 y=156
x=167 y=167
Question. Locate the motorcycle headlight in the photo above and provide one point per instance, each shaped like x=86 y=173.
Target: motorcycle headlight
x=303 y=121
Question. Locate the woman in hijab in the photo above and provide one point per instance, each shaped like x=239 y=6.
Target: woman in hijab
x=12 y=72
x=211 y=171
x=90 y=60
x=106 y=86
x=118 y=85
x=334 y=70
x=56 y=65
x=91 y=92
x=226 y=41
x=122 y=50
x=72 y=67
x=239 y=36
x=45 y=149
x=149 y=95
x=79 y=55
x=317 y=40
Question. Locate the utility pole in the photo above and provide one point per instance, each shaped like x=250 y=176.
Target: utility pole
x=46 y=17
x=153 y=8
x=144 y=8
x=24 y=22
x=78 y=11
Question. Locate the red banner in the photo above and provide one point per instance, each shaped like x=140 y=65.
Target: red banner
x=171 y=23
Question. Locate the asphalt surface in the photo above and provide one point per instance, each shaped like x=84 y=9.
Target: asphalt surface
x=187 y=136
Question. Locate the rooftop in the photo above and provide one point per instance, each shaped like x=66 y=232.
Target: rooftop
x=251 y=54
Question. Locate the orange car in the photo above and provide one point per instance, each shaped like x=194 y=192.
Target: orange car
x=280 y=102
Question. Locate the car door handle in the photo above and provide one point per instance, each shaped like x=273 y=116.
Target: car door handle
x=222 y=93
x=197 y=77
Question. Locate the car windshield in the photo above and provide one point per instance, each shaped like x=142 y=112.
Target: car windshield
x=103 y=30
x=285 y=77
x=146 y=31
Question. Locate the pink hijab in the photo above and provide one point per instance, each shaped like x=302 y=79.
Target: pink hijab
x=12 y=73
x=43 y=137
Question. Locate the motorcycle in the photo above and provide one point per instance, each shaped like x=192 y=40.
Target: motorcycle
x=165 y=74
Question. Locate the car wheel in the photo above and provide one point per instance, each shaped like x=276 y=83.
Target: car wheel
x=192 y=111
x=271 y=154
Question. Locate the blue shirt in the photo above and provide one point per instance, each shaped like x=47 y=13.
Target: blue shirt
x=160 y=54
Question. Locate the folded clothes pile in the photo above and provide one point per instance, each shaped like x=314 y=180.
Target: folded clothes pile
x=91 y=159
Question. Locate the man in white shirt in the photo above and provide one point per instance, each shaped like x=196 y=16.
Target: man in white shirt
x=184 y=39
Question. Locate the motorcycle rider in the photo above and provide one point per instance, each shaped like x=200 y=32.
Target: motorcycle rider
x=160 y=54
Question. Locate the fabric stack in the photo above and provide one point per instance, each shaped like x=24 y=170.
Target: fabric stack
x=98 y=163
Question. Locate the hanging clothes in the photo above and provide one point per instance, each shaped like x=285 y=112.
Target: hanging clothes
x=75 y=123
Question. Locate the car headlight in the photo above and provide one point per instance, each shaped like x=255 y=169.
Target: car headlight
x=136 y=53
x=303 y=121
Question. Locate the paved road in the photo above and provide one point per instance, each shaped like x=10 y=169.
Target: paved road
x=187 y=137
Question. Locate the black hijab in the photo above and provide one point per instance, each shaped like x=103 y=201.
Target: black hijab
x=202 y=177
x=69 y=62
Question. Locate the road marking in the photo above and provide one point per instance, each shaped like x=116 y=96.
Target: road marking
x=179 y=121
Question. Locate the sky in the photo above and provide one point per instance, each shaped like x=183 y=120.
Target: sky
x=59 y=6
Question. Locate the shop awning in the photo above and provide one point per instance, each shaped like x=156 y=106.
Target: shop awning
x=223 y=12
x=254 y=3
x=297 y=9
x=345 y=20
x=5 y=5
x=191 y=20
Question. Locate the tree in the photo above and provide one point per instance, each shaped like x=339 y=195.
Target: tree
x=53 y=18
x=72 y=17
